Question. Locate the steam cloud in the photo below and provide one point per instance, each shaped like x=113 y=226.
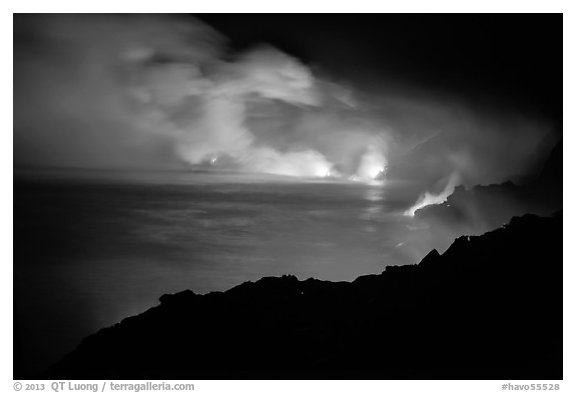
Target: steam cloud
x=429 y=198
x=164 y=82
x=163 y=92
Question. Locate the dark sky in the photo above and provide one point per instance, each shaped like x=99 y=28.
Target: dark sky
x=515 y=60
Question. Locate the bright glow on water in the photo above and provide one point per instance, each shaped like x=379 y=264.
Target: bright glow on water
x=98 y=251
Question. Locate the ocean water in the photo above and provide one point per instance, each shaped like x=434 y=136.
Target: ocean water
x=92 y=248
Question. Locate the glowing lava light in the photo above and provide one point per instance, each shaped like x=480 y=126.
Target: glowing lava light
x=372 y=165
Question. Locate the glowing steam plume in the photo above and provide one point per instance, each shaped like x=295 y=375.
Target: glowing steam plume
x=149 y=92
x=372 y=165
x=434 y=199
x=223 y=118
x=307 y=163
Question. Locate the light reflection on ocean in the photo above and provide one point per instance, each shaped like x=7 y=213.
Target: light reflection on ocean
x=98 y=250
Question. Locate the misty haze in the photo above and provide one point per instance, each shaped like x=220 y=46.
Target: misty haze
x=287 y=196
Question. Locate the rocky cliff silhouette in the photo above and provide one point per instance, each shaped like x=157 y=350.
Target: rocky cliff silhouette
x=486 y=207
x=490 y=307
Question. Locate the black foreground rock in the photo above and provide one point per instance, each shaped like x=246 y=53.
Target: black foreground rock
x=490 y=307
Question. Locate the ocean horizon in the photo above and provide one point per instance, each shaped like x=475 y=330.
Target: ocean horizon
x=98 y=246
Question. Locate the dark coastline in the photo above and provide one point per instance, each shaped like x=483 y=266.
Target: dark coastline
x=490 y=307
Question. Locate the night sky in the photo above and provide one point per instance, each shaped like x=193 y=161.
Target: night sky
x=493 y=60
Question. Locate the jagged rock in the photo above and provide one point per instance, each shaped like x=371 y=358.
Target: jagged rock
x=490 y=307
x=487 y=207
x=430 y=259
x=183 y=296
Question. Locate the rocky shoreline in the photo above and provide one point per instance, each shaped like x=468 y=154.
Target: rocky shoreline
x=490 y=307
